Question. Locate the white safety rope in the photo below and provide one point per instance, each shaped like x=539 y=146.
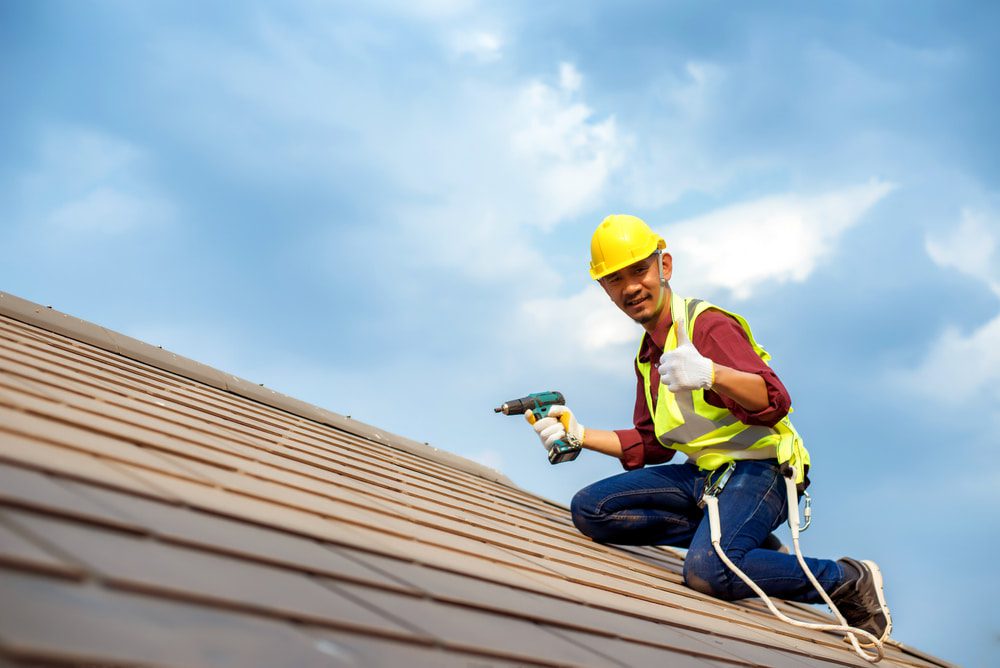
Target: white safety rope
x=711 y=502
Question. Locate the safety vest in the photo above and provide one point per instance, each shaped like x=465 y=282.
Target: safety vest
x=711 y=436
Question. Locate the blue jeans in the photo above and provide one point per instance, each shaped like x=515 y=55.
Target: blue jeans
x=658 y=505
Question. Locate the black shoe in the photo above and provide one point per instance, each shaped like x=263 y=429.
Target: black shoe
x=861 y=600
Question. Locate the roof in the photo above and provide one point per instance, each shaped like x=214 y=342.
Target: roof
x=156 y=511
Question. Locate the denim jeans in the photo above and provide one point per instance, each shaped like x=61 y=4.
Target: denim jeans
x=658 y=505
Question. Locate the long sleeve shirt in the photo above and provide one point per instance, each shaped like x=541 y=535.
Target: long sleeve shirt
x=721 y=339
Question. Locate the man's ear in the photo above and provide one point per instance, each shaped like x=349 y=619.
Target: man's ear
x=668 y=266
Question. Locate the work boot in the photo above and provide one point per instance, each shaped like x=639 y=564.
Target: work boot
x=861 y=599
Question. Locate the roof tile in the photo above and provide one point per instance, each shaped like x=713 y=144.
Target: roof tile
x=146 y=565
x=205 y=531
x=41 y=492
x=45 y=456
x=20 y=551
x=479 y=631
x=86 y=624
x=359 y=650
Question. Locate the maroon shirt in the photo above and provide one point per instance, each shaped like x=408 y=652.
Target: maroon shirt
x=722 y=340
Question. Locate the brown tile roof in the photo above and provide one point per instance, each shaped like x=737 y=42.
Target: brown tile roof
x=156 y=511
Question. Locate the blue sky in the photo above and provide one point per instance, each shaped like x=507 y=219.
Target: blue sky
x=385 y=209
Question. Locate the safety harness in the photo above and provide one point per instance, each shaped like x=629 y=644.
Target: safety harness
x=711 y=436
x=715 y=441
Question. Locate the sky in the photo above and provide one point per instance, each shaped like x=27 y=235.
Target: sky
x=385 y=208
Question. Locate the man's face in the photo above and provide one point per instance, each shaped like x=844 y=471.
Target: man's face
x=636 y=288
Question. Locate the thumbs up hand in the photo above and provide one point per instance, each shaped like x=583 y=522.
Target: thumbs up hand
x=685 y=369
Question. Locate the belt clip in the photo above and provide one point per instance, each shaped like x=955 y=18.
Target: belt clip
x=714 y=486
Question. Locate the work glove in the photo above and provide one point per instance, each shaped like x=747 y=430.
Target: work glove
x=684 y=369
x=558 y=424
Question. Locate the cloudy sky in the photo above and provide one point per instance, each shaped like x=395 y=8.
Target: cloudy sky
x=385 y=209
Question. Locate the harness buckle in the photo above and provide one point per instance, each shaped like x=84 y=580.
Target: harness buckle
x=715 y=482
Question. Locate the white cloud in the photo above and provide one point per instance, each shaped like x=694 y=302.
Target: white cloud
x=107 y=211
x=724 y=249
x=570 y=78
x=693 y=98
x=482 y=240
x=80 y=158
x=568 y=156
x=505 y=164
x=720 y=250
x=596 y=325
x=494 y=160
x=676 y=158
x=971 y=248
x=484 y=46
x=959 y=367
x=89 y=183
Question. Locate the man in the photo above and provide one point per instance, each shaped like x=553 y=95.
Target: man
x=704 y=389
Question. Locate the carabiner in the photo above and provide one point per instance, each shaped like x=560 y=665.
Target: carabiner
x=714 y=488
x=807 y=513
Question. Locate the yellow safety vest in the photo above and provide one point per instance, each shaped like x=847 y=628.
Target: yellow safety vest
x=711 y=436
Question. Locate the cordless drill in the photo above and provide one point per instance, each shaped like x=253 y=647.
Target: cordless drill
x=539 y=404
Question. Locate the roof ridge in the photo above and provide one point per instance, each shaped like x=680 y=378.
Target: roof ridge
x=87 y=332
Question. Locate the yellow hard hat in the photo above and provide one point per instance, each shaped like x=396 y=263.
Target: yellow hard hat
x=619 y=241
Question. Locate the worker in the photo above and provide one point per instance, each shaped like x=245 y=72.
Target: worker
x=704 y=389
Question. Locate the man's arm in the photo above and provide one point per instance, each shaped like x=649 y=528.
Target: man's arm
x=747 y=389
x=635 y=447
x=631 y=446
x=740 y=374
x=605 y=442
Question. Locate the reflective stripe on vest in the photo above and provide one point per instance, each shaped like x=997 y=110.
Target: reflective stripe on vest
x=712 y=436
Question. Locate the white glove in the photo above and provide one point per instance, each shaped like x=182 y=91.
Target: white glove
x=560 y=423
x=684 y=369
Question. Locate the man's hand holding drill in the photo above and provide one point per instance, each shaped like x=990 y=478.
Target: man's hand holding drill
x=558 y=425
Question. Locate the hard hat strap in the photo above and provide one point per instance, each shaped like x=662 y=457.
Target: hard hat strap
x=663 y=282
